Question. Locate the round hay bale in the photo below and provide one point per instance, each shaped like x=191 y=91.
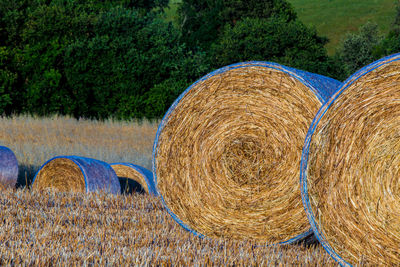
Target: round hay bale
x=77 y=174
x=351 y=165
x=134 y=178
x=8 y=168
x=227 y=153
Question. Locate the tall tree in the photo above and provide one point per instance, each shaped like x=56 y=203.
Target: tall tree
x=202 y=21
x=290 y=43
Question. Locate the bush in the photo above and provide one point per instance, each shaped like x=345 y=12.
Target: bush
x=359 y=49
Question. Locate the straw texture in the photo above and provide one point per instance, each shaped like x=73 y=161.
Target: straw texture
x=8 y=168
x=134 y=178
x=77 y=174
x=227 y=153
x=351 y=167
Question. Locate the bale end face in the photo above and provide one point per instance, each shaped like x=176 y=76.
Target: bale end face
x=130 y=179
x=61 y=174
x=227 y=154
x=351 y=168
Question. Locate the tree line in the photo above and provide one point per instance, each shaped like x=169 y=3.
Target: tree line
x=123 y=59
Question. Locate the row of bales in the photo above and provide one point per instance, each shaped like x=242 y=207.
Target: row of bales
x=261 y=151
x=80 y=174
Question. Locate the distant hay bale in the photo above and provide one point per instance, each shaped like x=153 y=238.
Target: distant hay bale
x=350 y=170
x=76 y=174
x=226 y=156
x=134 y=178
x=8 y=168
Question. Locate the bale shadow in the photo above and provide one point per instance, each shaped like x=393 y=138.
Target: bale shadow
x=129 y=186
x=26 y=173
x=308 y=241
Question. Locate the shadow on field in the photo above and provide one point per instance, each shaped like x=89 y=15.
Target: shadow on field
x=129 y=186
x=26 y=173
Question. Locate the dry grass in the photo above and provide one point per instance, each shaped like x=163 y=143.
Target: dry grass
x=49 y=228
x=35 y=140
x=353 y=169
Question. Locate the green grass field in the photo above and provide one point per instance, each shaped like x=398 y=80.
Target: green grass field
x=334 y=18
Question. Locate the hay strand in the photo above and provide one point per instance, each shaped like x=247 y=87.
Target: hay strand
x=8 y=168
x=227 y=153
x=76 y=174
x=134 y=178
x=351 y=165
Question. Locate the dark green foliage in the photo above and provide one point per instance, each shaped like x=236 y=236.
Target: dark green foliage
x=91 y=58
x=101 y=59
x=113 y=72
x=202 y=21
x=289 y=43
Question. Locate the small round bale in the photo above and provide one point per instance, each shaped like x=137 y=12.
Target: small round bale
x=226 y=157
x=350 y=168
x=77 y=174
x=8 y=168
x=134 y=178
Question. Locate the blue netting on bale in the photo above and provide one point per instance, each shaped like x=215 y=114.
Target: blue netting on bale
x=8 y=168
x=359 y=89
x=145 y=173
x=322 y=88
x=98 y=175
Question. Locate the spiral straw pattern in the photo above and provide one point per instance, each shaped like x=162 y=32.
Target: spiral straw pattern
x=227 y=153
x=351 y=167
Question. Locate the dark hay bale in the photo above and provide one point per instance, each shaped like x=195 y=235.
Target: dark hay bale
x=76 y=174
x=8 y=168
x=351 y=167
x=227 y=153
x=134 y=178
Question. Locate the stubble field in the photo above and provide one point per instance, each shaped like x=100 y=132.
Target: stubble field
x=53 y=228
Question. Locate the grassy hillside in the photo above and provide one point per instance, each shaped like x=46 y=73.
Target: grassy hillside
x=334 y=18
x=48 y=228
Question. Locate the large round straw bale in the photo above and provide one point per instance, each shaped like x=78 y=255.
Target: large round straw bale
x=77 y=174
x=134 y=178
x=350 y=169
x=226 y=156
x=8 y=168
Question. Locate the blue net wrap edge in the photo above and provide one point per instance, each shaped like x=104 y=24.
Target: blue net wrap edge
x=323 y=87
x=91 y=182
x=147 y=174
x=304 y=158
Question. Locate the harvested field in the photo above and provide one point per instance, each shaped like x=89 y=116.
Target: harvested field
x=89 y=229
x=51 y=228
